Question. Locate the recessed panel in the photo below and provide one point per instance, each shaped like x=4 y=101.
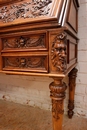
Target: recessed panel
x=26 y=63
x=72 y=17
x=26 y=42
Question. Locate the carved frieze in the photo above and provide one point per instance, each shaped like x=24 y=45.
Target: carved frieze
x=24 y=62
x=58 y=52
x=24 y=42
x=29 y=9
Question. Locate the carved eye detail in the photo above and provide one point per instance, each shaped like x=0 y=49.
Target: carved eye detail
x=60 y=49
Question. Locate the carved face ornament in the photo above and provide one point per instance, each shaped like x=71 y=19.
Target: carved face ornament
x=58 y=53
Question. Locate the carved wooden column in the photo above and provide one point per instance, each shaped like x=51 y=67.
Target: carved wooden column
x=72 y=83
x=57 y=94
x=58 y=66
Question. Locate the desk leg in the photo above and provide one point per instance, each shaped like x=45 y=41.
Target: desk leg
x=72 y=84
x=57 y=94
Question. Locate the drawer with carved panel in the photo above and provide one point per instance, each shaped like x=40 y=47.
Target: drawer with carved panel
x=24 y=42
x=25 y=62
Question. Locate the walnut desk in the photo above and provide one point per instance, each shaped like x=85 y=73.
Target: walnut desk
x=39 y=38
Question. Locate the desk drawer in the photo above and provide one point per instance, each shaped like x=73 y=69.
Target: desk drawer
x=24 y=42
x=26 y=63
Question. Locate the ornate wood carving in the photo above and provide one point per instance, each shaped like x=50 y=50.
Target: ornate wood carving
x=57 y=109
x=31 y=9
x=58 y=52
x=33 y=41
x=57 y=93
x=70 y=107
x=24 y=62
x=72 y=84
x=24 y=42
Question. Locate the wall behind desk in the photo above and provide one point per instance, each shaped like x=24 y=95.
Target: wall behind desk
x=81 y=86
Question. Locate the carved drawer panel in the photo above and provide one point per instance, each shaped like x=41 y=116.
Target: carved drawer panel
x=26 y=63
x=24 y=42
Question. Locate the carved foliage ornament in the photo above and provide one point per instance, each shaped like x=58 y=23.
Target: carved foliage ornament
x=31 y=9
x=57 y=108
x=24 y=42
x=58 y=52
x=25 y=62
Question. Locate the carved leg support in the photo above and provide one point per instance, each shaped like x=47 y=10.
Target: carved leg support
x=72 y=84
x=57 y=94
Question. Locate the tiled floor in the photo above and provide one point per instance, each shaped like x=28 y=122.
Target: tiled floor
x=19 y=117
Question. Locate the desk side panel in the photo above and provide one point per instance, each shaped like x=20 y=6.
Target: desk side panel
x=62 y=51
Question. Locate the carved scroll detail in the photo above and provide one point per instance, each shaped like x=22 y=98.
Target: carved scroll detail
x=58 y=52
x=25 y=62
x=31 y=9
x=24 y=42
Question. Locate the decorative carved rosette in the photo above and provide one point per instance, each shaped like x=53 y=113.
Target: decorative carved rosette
x=58 y=52
x=31 y=9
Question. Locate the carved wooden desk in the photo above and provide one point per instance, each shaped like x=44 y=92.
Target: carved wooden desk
x=39 y=37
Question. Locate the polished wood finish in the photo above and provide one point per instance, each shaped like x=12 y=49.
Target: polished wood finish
x=72 y=19
x=39 y=37
x=72 y=84
x=57 y=94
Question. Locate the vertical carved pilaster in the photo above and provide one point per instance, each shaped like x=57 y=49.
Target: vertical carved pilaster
x=72 y=84
x=57 y=94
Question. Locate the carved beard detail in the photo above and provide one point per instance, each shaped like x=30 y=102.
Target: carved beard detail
x=31 y=9
x=58 y=52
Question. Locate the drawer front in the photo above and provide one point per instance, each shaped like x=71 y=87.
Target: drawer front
x=26 y=63
x=26 y=42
